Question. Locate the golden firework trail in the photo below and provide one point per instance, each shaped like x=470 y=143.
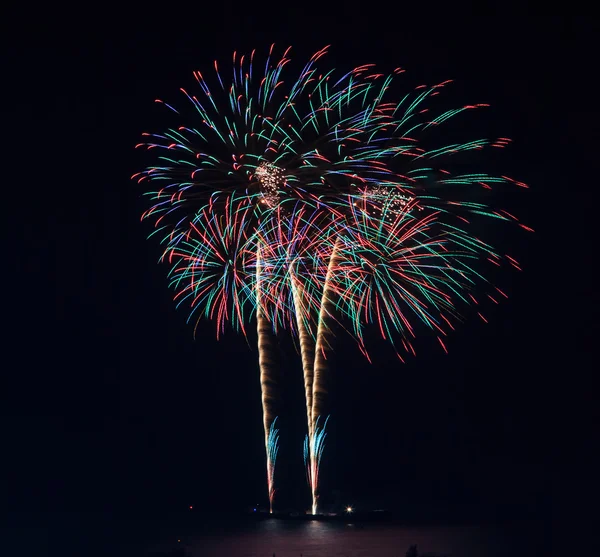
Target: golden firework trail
x=319 y=391
x=306 y=345
x=315 y=440
x=268 y=379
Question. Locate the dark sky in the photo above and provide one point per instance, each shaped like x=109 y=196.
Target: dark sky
x=109 y=402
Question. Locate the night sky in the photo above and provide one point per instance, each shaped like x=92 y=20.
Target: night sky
x=109 y=403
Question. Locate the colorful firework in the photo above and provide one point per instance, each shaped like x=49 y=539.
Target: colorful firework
x=209 y=269
x=315 y=201
x=410 y=267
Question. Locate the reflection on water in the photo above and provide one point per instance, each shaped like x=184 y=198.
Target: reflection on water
x=329 y=539
x=149 y=534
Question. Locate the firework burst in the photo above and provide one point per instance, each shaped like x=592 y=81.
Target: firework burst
x=304 y=198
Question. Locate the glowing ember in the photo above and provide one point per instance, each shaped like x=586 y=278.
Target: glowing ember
x=270 y=178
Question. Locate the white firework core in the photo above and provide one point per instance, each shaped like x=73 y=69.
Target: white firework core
x=395 y=203
x=270 y=178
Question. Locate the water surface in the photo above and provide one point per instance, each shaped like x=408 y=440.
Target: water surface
x=265 y=538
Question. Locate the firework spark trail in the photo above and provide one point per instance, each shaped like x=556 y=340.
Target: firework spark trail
x=319 y=388
x=272 y=450
x=314 y=446
x=306 y=346
x=322 y=342
x=268 y=381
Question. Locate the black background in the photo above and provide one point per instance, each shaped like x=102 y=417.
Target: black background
x=108 y=402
